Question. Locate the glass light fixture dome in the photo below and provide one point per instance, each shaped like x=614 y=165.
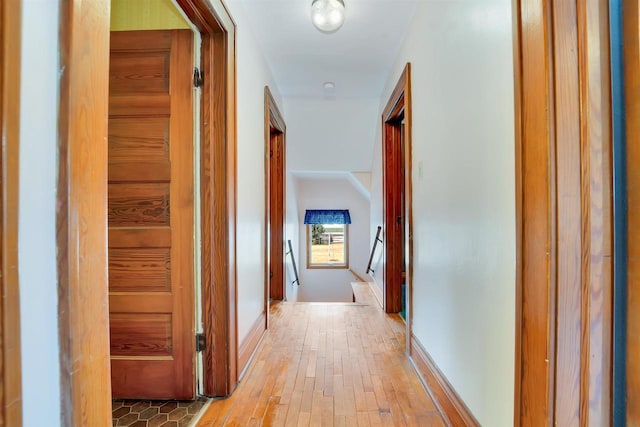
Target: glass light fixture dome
x=327 y=15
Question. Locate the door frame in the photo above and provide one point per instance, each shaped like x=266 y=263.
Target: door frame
x=398 y=106
x=274 y=128
x=631 y=54
x=218 y=177
x=82 y=204
x=10 y=358
x=564 y=213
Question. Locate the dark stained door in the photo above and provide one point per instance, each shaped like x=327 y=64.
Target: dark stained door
x=151 y=211
x=276 y=213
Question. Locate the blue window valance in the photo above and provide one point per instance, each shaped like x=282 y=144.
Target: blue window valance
x=327 y=216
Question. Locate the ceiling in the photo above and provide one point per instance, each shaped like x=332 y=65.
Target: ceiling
x=356 y=58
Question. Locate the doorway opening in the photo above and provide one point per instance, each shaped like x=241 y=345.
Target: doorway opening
x=275 y=169
x=397 y=203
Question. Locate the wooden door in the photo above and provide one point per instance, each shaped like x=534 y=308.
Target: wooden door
x=275 y=167
x=151 y=298
x=276 y=213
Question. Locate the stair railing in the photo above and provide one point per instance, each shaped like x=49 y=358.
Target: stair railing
x=293 y=262
x=373 y=249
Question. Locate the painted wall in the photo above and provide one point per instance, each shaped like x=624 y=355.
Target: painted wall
x=329 y=134
x=146 y=15
x=253 y=74
x=333 y=193
x=37 y=210
x=464 y=198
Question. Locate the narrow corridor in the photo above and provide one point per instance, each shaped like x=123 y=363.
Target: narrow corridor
x=329 y=364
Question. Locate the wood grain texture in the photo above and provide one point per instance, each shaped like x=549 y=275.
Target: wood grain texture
x=449 y=403
x=339 y=364
x=218 y=179
x=396 y=158
x=538 y=253
x=563 y=343
x=569 y=222
x=152 y=267
x=275 y=194
x=597 y=212
x=82 y=214
x=10 y=362
x=141 y=335
x=151 y=318
x=631 y=42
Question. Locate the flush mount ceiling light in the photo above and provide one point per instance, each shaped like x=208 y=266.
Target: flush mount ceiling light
x=327 y=15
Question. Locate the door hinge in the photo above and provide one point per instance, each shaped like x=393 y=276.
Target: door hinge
x=198 y=78
x=201 y=342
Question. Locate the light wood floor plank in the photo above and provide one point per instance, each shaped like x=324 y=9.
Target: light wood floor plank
x=325 y=364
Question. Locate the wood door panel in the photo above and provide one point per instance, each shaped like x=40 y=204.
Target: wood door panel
x=157 y=371
x=138 y=106
x=140 y=302
x=135 y=269
x=138 y=205
x=151 y=248
x=148 y=334
x=139 y=138
x=139 y=237
x=140 y=170
x=136 y=72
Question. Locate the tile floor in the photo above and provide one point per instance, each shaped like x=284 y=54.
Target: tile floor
x=150 y=413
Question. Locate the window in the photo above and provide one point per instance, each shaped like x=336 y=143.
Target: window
x=327 y=238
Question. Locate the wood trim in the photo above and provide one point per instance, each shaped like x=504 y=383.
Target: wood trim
x=518 y=126
x=275 y=193
x=82 y=213
x=218 y=177
x=251 y=343
x=449 y=403
x=631 y=44
x=10 y=358
x=563 y=148
x=393 y=157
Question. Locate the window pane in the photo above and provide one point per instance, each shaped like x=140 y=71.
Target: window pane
x=327 y=246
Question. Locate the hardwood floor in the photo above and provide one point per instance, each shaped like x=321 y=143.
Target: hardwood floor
x=329 y=364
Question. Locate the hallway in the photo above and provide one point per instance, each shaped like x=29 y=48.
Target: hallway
x=327 y=364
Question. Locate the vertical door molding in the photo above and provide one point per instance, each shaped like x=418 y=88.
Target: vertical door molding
x=10 y=363
x=82 y=213
x=631 y=43
x=275 y=192
x=218 y=178
x=564 y=207
x=396 y=160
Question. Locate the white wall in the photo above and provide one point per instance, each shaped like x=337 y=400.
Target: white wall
x=464 y=200
x=330 y=134
x=37 y=206
x=252 y=75
x=333 y=193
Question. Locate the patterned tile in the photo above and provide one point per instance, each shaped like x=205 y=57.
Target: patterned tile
x=155 y=413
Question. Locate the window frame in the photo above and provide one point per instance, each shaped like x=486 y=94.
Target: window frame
x=317 y=266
